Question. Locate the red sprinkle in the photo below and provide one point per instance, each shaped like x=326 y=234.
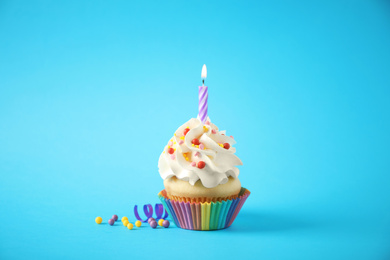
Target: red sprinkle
x=226 y=145
x=186 y=130
x=171 y=151
x=195 y=141
x=201 y=164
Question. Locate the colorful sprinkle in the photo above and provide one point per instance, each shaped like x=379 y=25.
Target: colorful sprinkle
x=197 y=154
x=231 y=137
x=193 y=164
x=226 y=145
x=221 y=145
x=181 y=137
x=165 y=223
x=150 y=219
x=201 y=146
x=213 y=131
x=187 y=159
x=207 y=123
x=181 y=142
x=170 y=143
x=205 y=128
x=111 y=221
x=138 y=223
x=201 y=164
x=160 y=222
x=153 y=224
x=115 y=217
x=195 y=141
x=186 y=131
x=130 y=226
x=171 y=150
x=98 y=220
x=197 y=146
x=173 y=156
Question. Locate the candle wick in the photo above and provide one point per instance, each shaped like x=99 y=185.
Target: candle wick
x=203 y=81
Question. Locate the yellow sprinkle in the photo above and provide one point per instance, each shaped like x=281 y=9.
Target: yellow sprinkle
x=174 y=134
x=197 y=146
x=130 y=226
x=163 y=151
x=125 y=223
x=174 y=142
x=124 y=218
x=221 y=145
x=160 y=222
x=187 y=159
x=169 y=146
x=138 y=223
x=181 y=137
x=98 y=220
x=174 y=149
x=193 y=145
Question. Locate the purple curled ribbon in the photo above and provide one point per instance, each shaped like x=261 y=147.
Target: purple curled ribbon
x=148 y=210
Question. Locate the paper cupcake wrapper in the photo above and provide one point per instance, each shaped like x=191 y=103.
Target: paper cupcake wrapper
x=204 y=216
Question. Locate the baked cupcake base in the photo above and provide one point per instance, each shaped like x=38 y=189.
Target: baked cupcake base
x=194 y=215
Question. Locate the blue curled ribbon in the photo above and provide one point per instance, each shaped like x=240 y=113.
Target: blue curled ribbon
x=148 y=210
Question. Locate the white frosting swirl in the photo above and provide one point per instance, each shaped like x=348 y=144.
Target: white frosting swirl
x=183 y=162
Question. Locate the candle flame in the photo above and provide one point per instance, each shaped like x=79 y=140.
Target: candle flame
x=204 y=72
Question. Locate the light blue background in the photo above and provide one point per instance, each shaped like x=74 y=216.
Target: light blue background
x=90 y=92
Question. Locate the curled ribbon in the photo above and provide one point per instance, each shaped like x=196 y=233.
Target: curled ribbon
x=148 y=210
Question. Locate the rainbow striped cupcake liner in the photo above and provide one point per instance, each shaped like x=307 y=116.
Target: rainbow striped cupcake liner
x=204 y=216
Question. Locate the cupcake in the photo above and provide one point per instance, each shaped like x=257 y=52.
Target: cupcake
x=198 y=166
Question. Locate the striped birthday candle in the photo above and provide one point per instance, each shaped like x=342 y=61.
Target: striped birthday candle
x=203 y=95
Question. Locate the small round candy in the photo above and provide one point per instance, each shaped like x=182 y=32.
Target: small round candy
x=98 y=220
x=130 y=226
x=138 y=223
x=226 y=145
x=115 y=217
x=153 y=224
x=125 y=223
x=165 y=223
x=150 y=219
x=160 y=222
x=171 y=151
x=124 y=218
x=111 y=221
x=195 y=141
x=186 y=131
x=201 y=164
